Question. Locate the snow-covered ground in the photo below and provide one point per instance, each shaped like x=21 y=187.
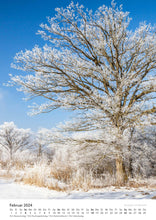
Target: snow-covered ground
x=11 y=190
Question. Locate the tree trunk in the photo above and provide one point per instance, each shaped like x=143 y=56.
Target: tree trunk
x=11 y=156
x=121 y=176
x=130 y=168
x=39 y=151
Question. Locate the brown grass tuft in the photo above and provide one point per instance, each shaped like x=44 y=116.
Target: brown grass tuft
x=57 y=187
x=6 y=175
x=63 y=174
x=33 y=179
x=137 y=184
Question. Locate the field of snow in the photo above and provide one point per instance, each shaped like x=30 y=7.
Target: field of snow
x=11 y=190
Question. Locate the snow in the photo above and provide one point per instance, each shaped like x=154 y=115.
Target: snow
x=11 y=190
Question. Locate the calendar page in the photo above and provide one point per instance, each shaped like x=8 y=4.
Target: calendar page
x=78 y=109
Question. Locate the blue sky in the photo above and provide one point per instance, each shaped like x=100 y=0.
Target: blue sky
x=19 y=22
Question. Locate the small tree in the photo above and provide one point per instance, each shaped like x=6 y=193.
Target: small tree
x=42 y=141
x=13 y=139
x=96 y=65
x=144 y=152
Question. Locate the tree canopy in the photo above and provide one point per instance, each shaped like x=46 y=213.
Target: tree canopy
x=93 y=63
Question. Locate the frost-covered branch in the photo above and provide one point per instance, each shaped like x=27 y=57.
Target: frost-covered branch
x=92 y=62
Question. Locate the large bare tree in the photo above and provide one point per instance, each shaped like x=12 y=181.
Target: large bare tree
x=95 y=64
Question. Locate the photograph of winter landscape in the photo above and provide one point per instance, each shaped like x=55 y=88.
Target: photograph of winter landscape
x=77 y=99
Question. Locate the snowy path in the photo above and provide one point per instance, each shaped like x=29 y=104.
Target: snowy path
x=11 y=190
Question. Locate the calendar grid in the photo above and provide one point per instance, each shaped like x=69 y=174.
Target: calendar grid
x=77 y=209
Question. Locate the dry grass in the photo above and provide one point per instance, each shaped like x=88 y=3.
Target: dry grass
x=81 y=183
x=56 y=187
x=34 y=179
x=6 y=175
x=3 y=164
x=19 y=165
x=63 y=174
x=146 y=183
x=36 y=175
x=136 y=184
x=41 y=182
x=82 y=180
x=41 y=175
